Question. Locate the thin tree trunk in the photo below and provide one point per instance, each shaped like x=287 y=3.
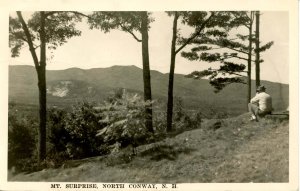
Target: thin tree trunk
x=172 y=66
x=171 y=75
x=257 y=64
x=249 y=61
x=41 y=73
x=42 y=91
x=146 y=71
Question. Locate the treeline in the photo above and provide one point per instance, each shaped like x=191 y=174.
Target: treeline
x=213 y=39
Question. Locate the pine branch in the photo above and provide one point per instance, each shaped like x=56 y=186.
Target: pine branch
x=208 y=57
x=246 y=24
x=223 y=46
x=220 y=83
x=201 y=74
x=236 y=50
x=266 y=46
x=234 y=56
x=222 y=70
x=230 y=45
x=234 y=73
x=228 y=72
x=195 y=34
x=217 y=48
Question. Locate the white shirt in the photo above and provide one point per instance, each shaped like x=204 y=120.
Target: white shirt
x=263 y=100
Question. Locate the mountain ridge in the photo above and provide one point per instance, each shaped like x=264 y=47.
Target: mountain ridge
x=196 y=94
x=116 y=66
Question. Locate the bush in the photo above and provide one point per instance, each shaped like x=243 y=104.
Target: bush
x=124 y=121
x=182 y=119
x=58 y=135
x=74 y=133
x=21 y=141
x=160 y=122
x=89 y=130
x=185 y=120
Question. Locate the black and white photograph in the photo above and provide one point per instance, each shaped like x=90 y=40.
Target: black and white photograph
x=149 y=99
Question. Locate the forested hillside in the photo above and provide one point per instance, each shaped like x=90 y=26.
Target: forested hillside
x=74 y=84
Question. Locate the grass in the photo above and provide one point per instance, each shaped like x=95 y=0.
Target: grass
x=236 y=151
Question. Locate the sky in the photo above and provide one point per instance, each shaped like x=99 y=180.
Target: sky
x=95 y=49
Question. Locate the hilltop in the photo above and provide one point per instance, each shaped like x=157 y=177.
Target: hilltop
x=238 y=151
x=68 y=86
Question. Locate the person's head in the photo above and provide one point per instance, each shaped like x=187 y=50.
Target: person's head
x=260 y=89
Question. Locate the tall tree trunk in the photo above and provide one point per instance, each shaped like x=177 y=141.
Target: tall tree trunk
x=171 y=75
x=257 y=64
x=249 y=60
x=29 y=40
x=146 y=71
x=42 y=91
x=42 y=113
x=41 y=73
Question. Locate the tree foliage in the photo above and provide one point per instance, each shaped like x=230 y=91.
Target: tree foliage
x=136 y=24
x=230 y=50
x=60 y=26
x=21 y=139
x=43 y=30
x=74 y=133
x=127 y=21
x=208 y=42
x=124 y=122
x=205 y=24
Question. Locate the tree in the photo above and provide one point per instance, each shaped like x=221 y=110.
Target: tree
x=44 y=30
x=238 y=49
x=257 y=61
x=235 y=50
x=259 y=49
x=171 y=74
x=202 y=23
x=130 y=22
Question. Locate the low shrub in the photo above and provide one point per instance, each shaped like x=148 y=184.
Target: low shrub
x=124 y=121
x=183 y=119
x=22 y=133
x=90 y=130
x=74 y=133
x=58 y=135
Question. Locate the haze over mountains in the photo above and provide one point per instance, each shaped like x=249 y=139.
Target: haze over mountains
x=66 y=87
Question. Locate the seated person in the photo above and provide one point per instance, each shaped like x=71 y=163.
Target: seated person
x=261 y=104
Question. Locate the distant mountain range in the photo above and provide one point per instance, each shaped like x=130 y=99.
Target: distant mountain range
x=66 y=87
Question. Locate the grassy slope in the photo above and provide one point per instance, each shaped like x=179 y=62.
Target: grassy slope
x=239 y=151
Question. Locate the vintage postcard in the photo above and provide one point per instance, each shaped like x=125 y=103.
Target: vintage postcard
x=149 y=95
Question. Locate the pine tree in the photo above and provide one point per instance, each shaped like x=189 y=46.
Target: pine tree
x=235 y=51
x=203 y=23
